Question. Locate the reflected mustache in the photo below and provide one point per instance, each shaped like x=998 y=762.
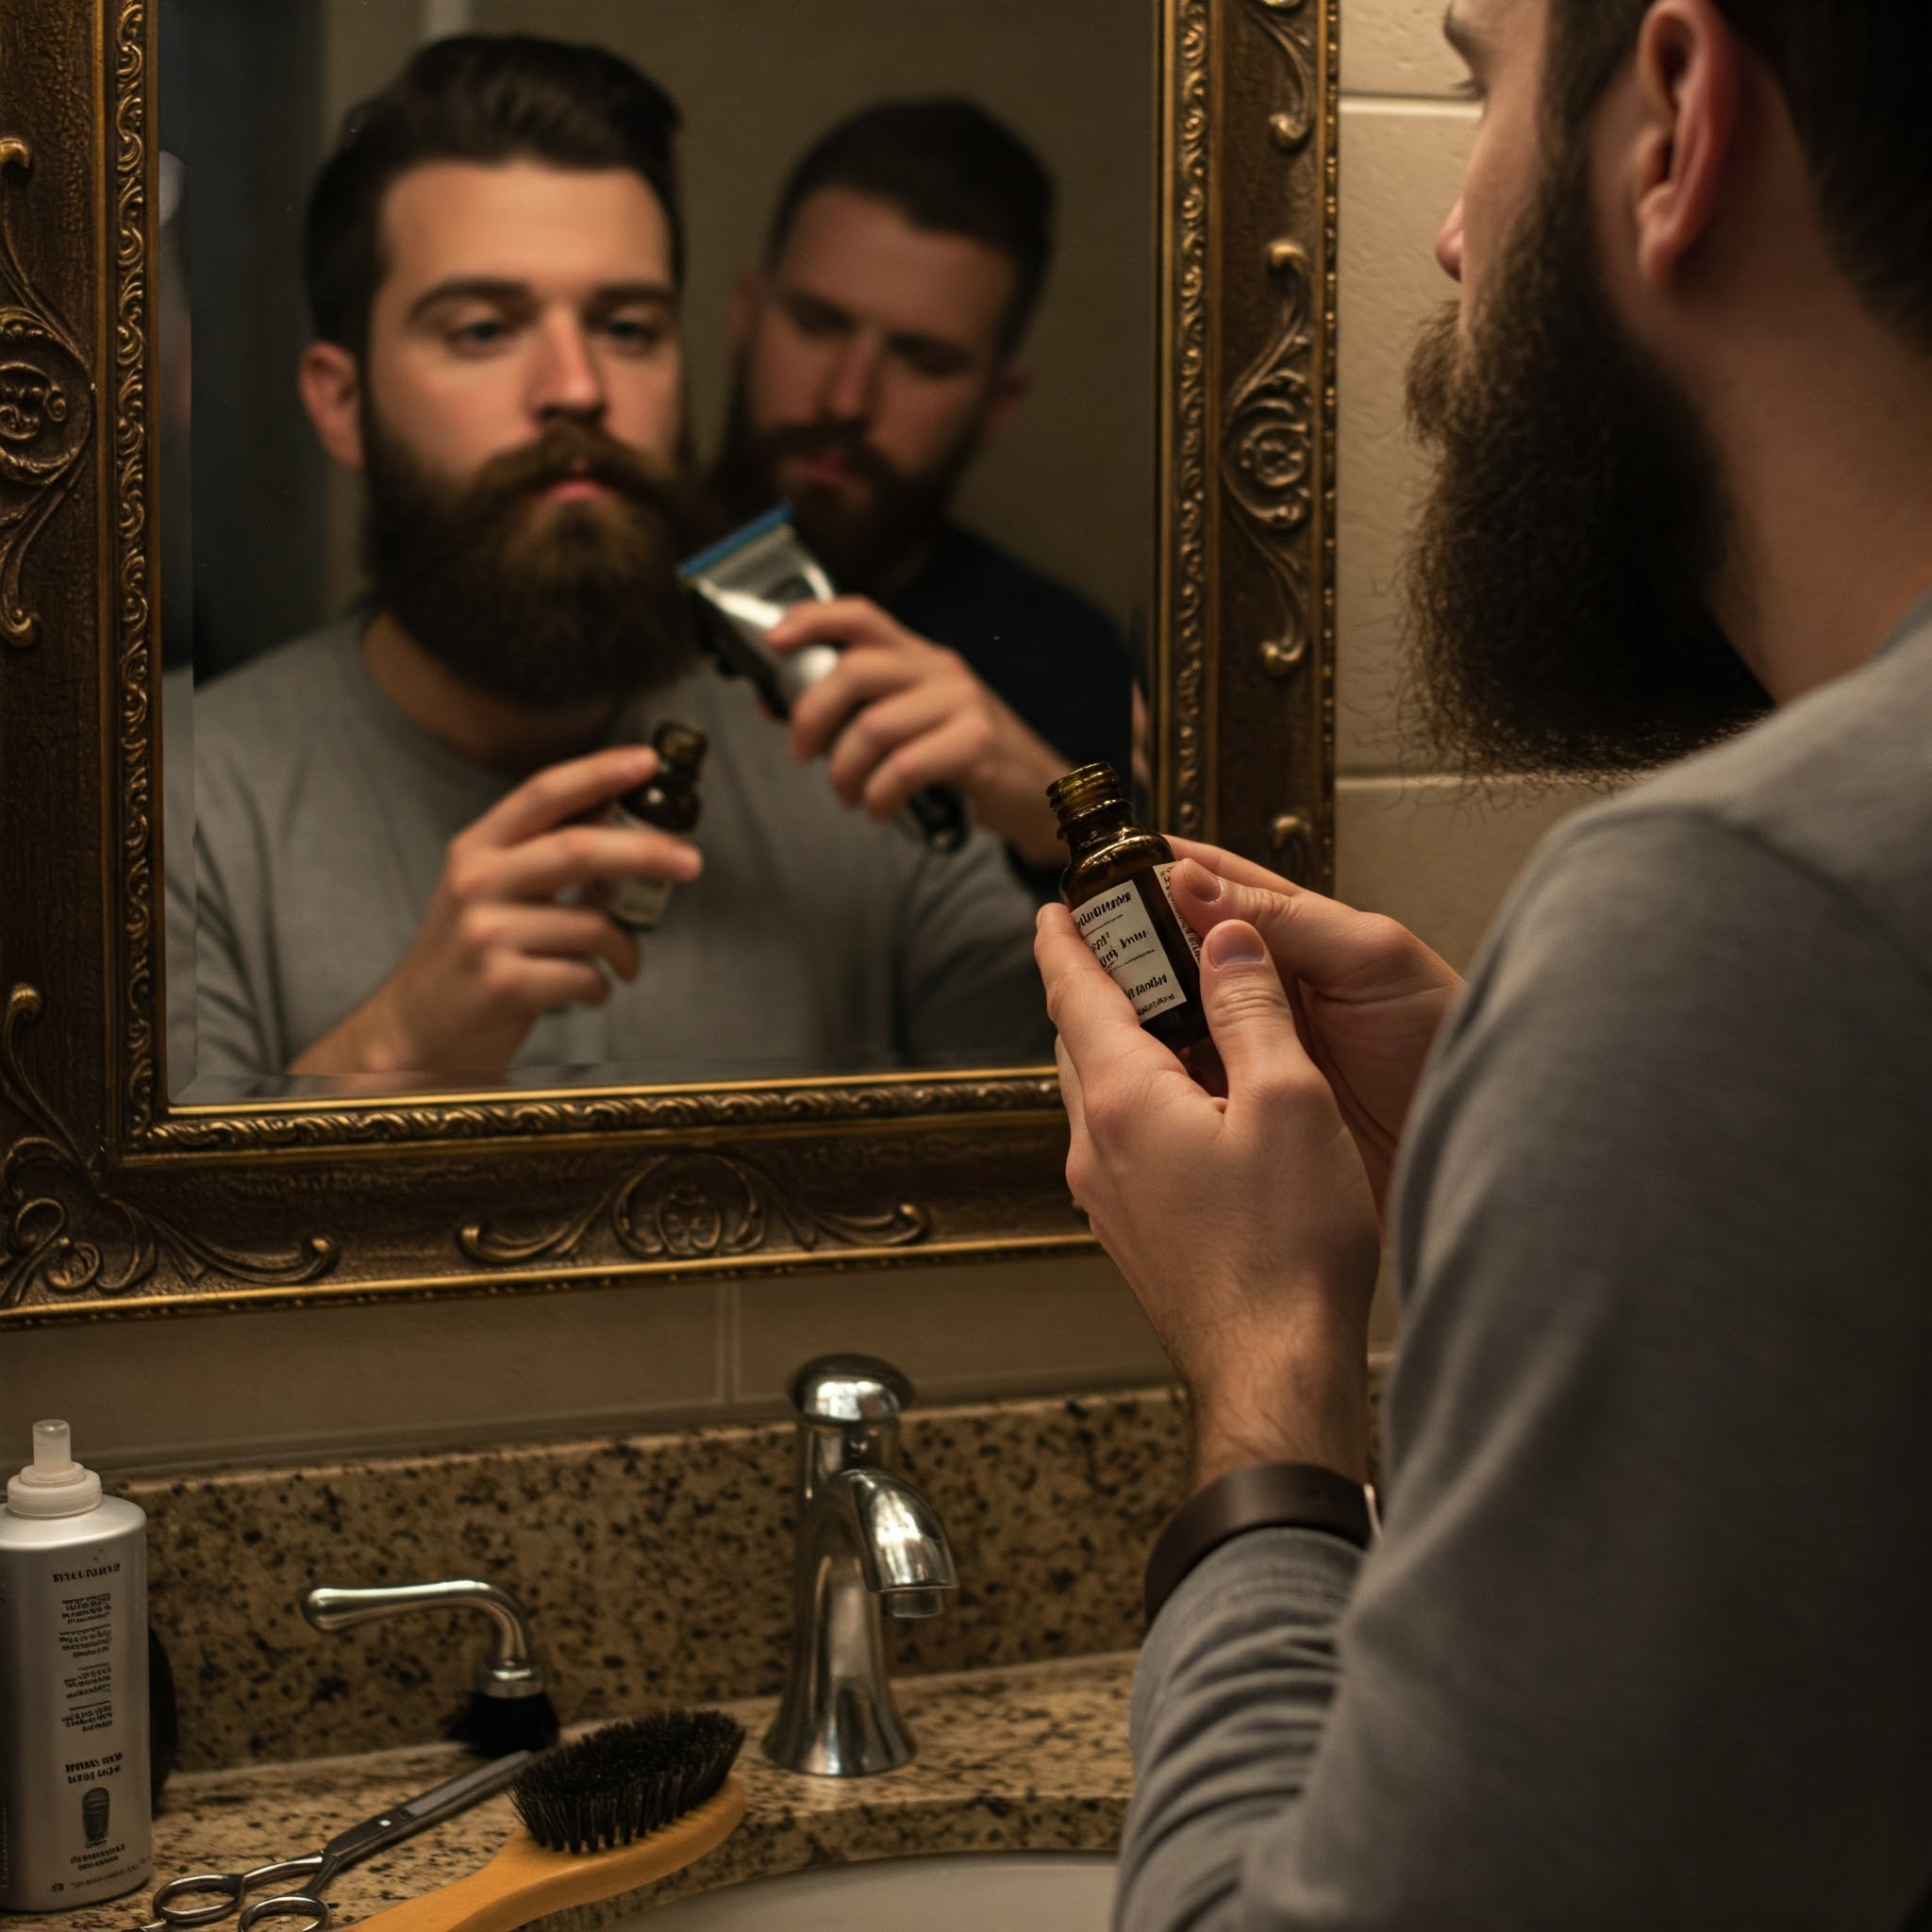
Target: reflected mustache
x=843 y=441
x=570 y=457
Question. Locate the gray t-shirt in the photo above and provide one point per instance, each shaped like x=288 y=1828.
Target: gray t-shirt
x=1646 y=1641
x=816 y=942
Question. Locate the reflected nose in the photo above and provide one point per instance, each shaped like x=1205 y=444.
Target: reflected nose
x=852 y=382
x=567 y=380
x=1449 y=243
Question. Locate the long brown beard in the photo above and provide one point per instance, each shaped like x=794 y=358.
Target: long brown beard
x=1559 y=580
x=536 y=602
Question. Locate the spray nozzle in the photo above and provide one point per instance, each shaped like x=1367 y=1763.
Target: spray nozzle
x=53 y=1484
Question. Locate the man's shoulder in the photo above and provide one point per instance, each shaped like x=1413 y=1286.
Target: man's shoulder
x=1838 y=785
x=301 y=679
x=967 y=564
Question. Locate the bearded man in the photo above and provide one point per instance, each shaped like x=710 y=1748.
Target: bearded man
x=1642 y=1641
x=400 y=819
x=874 y=353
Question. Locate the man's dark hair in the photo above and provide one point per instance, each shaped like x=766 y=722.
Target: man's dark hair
x=487 y=98
x=948 y=166
x=1852 y=74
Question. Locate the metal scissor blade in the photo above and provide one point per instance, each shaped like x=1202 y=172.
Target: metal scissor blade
x=403 y=1820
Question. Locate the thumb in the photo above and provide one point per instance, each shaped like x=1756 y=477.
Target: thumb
x=1248 y=1011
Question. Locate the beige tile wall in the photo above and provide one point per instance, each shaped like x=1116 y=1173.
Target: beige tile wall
x=1420 y=845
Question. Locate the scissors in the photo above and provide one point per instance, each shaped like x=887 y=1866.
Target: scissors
x=174 y=1911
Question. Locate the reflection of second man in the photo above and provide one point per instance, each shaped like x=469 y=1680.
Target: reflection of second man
x=875 y=354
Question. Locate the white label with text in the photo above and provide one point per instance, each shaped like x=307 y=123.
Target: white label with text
x=1119 y=926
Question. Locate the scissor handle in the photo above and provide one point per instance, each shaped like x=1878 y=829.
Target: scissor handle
x=288 y=1904
x=229 y=1887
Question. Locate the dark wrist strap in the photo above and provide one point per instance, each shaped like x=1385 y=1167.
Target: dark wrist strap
x=1268 y=1495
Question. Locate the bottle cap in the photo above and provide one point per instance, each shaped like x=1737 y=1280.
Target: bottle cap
x=53 y=1484
x=679 y=744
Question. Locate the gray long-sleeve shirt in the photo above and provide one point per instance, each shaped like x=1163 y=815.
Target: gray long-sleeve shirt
x=1646 y=1641
x=816 y=942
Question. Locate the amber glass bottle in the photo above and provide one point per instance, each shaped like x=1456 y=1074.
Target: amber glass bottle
x=1116 y=888
x=668 y=800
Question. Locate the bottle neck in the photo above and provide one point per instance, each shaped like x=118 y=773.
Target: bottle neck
x=1088 y=831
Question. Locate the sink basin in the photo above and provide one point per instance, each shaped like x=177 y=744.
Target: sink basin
x=953 y=1891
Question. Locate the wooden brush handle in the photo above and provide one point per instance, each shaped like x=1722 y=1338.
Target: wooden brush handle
x=523 y=1881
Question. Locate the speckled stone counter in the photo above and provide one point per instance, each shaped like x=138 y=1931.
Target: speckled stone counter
x=657 y=1568
x=1033 y=1758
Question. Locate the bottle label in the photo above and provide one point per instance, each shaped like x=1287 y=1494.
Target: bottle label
x=636 y=903
x=1188 y=933
x=1119 y=926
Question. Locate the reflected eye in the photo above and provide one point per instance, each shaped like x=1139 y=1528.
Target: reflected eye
x=477 y=336
x=637 y=331
x=815 y=319
x=934 y=360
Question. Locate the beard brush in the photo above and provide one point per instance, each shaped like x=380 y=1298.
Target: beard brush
x=614 y=1809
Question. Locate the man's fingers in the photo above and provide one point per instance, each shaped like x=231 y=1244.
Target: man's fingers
x=562 y=791
x=1250 y=1017
x=835 y=621
x=542 y=867
x=1339 y=951
x=1231 y=865
x=1094 y=1018
x=861 y=680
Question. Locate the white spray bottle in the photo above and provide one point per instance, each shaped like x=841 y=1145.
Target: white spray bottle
x=74 y=1810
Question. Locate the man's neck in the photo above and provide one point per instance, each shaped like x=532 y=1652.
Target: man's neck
x=514 y=739
x=1829 y=456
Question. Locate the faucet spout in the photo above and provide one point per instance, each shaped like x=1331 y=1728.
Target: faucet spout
x=867 y=1544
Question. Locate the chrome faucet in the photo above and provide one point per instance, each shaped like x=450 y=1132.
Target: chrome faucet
x=867 y=1542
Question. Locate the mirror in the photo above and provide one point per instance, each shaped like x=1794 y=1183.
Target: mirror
x=1179 y=476
x=814 y=943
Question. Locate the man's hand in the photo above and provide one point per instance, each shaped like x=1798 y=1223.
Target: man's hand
x=897 y=714
x=1244 y=1223
x=1369 y=996
x=496 y=948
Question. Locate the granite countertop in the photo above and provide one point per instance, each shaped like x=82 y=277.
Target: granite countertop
x=1027 y=1758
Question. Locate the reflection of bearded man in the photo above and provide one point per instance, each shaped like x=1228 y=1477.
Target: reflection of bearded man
x=1560 y=578
x=534 y=601
x=856 y=539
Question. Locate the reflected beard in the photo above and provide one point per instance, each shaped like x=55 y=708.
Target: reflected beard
x=860 y=540
x=535 y=603
x=1558 y=587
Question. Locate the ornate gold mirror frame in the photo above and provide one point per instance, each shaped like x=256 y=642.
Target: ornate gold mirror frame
x=113 y=1202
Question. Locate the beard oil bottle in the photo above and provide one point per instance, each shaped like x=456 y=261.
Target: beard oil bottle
x=667 y=800
x=1116 y=888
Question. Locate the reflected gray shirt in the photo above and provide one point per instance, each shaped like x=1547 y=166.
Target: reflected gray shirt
x=1646 y=1641
x=816 y=942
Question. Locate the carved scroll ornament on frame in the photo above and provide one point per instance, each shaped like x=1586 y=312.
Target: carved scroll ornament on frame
x=46 y=406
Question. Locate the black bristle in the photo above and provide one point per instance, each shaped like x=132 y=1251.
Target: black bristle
x=628 y=1779
x=495 y=1726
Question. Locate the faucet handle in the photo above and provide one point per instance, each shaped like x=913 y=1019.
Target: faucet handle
x=849 y=1390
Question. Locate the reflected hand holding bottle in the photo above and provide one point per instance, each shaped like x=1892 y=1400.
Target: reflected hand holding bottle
x=501 y=944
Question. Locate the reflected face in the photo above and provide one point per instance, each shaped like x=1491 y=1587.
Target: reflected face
x=870 y=367
x=519 y=423
x=519 y=295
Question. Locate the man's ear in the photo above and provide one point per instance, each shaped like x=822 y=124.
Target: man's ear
x=747 y=298
x=330 y=380
x=1690 y=81
x=1008 y=391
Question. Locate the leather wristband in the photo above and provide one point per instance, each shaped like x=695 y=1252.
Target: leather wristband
x=1267 y=1495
